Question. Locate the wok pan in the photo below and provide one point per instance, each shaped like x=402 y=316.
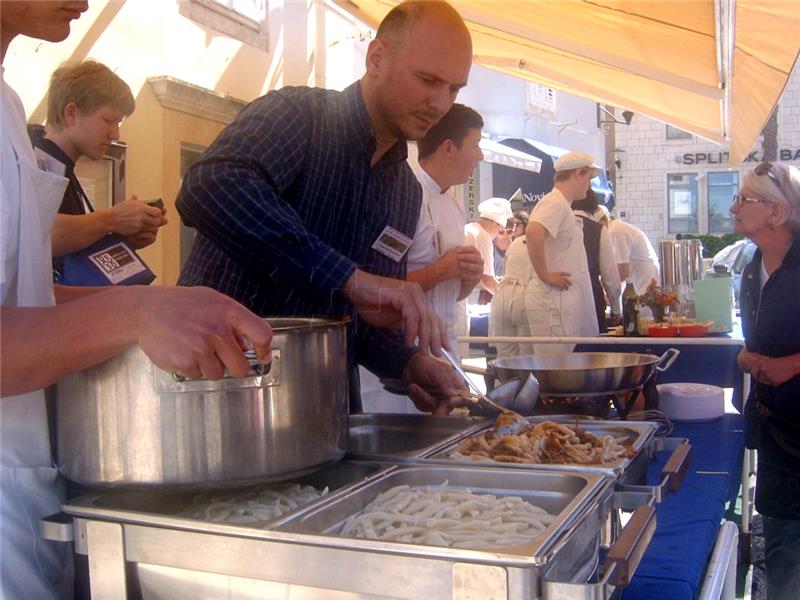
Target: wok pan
x=584 y=373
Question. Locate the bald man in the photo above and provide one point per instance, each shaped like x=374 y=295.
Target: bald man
x=305 y=204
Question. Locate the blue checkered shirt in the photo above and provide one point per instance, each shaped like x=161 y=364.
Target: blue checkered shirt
x=286 y=206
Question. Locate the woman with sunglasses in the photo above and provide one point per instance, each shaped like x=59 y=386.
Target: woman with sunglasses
x=767 y=211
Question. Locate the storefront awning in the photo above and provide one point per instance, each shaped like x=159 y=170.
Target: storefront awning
x=503 y=155
x=715 y=68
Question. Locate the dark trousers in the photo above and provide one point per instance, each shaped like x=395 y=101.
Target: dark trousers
x=782 y=558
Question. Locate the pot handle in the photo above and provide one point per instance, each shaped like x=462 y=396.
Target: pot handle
x=256 y=366
x=675 y=470
x=624 y=556
x=57 y=528
x=669 y=356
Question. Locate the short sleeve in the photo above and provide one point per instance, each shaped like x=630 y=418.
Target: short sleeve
x=550 y=213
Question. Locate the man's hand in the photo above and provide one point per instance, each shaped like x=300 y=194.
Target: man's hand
x=198 y=332
x=132 y=216
x=424 y=371
x=776 y=371
x=557 y=279
x=468 y=263
x=396 y=304
x=141 y=239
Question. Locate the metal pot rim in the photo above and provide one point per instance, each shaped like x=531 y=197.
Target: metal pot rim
x=289 y=324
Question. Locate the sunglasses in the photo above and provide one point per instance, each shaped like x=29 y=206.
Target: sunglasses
x=765 y=168
x=740 y=200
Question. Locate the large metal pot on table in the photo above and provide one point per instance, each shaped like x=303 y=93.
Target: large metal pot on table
x=127 y=422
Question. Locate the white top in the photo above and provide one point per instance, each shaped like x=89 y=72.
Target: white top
x=475 y=235
x=518 y=263
x=440 y=228
x=565 y=252
x=29 y=200
x=553 y=212
x=632 y=246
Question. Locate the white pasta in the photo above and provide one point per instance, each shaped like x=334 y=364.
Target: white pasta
x=441 y=516
x=253 y=506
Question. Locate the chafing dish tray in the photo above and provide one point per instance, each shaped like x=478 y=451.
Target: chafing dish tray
x=640 y=435
x=168 y=508
x=405 y=437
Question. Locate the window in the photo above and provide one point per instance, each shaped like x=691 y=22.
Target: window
x=682 y=199
x=674 y=133
x=722 y=187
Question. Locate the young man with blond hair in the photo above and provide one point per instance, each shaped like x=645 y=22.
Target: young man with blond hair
x=85 y=104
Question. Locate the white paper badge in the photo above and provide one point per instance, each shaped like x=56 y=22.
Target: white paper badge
x=392 y=243
x=117 y=263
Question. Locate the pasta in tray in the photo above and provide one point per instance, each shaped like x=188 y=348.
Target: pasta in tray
x=251 y=507
x=441 y=516
x=547 y=442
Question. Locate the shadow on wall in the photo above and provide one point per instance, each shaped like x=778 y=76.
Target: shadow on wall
x=101 y=23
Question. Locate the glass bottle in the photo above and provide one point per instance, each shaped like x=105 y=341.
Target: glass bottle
x=630 y=310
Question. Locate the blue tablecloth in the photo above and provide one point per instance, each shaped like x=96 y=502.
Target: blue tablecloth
x=689 y=520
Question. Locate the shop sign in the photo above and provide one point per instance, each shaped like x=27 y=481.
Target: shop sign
x=720 y=158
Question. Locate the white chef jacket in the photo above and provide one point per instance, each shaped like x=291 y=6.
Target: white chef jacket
x=554 y=312
x=609 y=273
x=475 y=235
x=507 y=316
x=440 y=229
x=29 y=485
x=632 y=246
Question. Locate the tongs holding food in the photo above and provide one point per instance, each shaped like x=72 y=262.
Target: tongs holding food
x=509 y=422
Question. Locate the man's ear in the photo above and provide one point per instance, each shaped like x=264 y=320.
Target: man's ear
x=448 y=147
x=70 y=114
x=377 y=53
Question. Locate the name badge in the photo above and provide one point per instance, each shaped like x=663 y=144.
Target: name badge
x=392 y=243
x=117 y=263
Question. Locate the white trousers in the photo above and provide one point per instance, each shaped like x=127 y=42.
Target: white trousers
x=508 y=318
x=543 y=312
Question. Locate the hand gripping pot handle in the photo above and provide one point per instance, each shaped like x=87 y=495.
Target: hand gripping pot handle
x=667 y=358
x=256 y=366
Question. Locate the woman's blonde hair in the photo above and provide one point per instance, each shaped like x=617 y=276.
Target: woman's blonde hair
x=778 y=182
x=89 y=85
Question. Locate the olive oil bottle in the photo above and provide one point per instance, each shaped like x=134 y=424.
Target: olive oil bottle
x=630 y=310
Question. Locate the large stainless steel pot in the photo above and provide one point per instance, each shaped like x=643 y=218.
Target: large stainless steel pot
x=127 y=422
x=584 y=373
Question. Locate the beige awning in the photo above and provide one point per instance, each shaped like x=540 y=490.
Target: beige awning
x=499 y=154
x=715 y=68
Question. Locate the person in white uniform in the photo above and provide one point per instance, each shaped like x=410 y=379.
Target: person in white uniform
x=558 y=299
x=194 y=332
x=494 y=215
x=438 y=259
x=507 y=316
x=636 y=257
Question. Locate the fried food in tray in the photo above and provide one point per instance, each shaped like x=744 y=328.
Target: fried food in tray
x=545 y=442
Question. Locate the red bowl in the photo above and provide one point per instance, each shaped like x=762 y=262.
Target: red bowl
x=693 y=330
x=663 y=331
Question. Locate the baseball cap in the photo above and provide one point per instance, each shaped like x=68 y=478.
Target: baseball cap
x=496 y=209
x=577 y=160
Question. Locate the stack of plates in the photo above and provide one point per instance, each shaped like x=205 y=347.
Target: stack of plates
x=691 y=401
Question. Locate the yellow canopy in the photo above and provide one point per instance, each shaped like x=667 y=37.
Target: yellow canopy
x=715 y=68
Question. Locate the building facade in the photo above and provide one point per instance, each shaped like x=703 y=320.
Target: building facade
x=669 y=181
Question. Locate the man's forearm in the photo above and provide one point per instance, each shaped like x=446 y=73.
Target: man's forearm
x=624 y=271
x=71 y=233
x=42 y=344
x=489 y=283
x=430 y=276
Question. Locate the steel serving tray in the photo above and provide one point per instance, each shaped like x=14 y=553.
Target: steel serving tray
x=165 y=508
x=406 y=437
x=639 y=434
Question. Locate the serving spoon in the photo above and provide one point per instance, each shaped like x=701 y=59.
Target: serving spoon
x=513 y=423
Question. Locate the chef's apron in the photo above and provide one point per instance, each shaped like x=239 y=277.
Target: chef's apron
x=30 y=488
x=571 y=312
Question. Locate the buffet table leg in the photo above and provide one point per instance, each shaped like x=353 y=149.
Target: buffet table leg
x=106 y=552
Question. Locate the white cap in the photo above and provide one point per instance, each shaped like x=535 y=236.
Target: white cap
x=496 y=209
x=600 y=213
x=577 y=160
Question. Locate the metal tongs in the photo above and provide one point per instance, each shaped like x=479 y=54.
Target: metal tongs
x=516 y=422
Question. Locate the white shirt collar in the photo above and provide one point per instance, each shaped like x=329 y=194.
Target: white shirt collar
x=428 y=182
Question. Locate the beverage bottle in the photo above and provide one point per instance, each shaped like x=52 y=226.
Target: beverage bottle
x=630 y=310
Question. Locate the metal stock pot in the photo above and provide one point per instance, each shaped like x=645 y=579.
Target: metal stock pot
x=127 y=422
